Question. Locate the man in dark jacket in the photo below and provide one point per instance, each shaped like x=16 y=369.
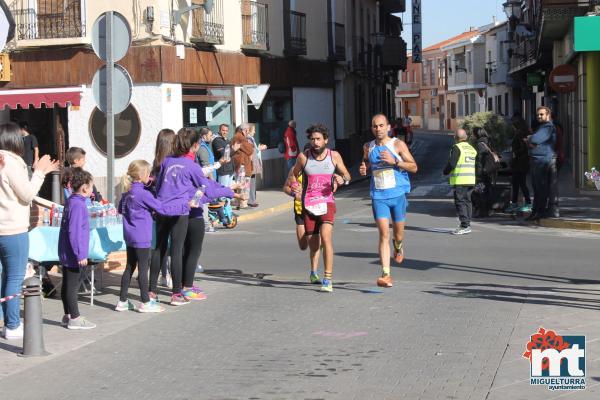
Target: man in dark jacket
x=541 y=150
x=219 y=144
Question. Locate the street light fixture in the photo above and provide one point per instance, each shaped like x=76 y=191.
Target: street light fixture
x=512 y=9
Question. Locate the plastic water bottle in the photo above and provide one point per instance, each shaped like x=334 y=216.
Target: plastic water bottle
x=198 y=196
x=227 y=153
x=241 y=175
x=93 y=216
x=46 y=217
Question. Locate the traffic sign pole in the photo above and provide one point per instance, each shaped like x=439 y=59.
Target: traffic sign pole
x=110 y=118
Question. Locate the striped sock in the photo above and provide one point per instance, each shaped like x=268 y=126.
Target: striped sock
x=328 y=275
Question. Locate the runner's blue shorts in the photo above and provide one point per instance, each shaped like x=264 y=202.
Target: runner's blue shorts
x=391 y=209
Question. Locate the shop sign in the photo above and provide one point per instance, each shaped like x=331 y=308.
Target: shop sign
x=534 y=79
x=563 y=79
x=587 y=32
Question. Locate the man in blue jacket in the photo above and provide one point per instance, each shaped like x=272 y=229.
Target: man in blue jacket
x=541 y=152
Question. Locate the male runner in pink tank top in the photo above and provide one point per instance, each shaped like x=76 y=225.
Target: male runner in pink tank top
x=319 y=165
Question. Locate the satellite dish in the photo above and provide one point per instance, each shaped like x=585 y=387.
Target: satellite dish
x=7 y=25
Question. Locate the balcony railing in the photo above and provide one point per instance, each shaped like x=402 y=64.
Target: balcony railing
x=49 y=19
x=255 y=32
x=208 y=27
x=296 y=43
x=358 y=53
x=338 y=52
x=408 y=87
x=523 y=55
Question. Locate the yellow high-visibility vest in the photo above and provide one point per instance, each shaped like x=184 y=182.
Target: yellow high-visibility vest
x=464 y=172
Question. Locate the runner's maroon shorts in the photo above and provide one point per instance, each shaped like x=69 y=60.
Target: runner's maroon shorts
x=312 y=223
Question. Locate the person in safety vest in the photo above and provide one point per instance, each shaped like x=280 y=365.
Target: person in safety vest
x=461 y=168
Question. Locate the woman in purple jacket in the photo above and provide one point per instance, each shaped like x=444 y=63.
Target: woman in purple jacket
x=177 y=182
x=136 y=206
x=73 y=247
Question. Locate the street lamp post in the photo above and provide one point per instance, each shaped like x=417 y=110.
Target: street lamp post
x=513 y=11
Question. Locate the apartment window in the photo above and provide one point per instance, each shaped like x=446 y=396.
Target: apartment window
x=460 y=105
x=499 y=102
x=489 y=104
x=472 y=103
x=433 y=110
x=466 y=104
x=432 y=72
x=506 y=110
x=469 y=60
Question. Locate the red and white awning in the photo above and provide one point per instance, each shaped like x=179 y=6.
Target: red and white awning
x=26 y=98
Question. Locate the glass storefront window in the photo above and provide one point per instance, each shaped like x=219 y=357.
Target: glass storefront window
x=272 y=118
x=208 y=107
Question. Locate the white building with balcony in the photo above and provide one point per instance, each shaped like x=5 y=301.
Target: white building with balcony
x=466 y=60
x=499 y=99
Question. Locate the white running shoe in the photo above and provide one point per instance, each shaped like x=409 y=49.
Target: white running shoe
x=462 y=230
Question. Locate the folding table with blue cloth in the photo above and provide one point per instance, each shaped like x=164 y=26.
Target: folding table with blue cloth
x=43 y=250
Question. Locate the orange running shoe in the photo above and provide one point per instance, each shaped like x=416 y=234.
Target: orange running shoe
x=398 y=253
x=385 y=281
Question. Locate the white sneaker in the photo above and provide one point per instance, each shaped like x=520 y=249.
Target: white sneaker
x=461 y=230
x=166 y=281
x=124 y=306
x=13 y=334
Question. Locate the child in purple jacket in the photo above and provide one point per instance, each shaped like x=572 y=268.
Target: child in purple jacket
x=136 y=206
x=73 y=247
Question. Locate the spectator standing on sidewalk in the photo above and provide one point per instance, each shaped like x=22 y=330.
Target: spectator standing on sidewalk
x=243 y=157
x=461 y=168
x=17 y=191
x=519 y=166
x=257 y=167
x=555 y=167
x=291 y=145
x=31 y=151
x=219 y=146
x=541 y=150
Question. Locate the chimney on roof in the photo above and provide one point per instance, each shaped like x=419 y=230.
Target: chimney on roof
x=472 y=28
x=494 y=19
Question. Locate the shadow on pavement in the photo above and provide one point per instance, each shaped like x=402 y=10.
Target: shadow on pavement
x=238 y=277
x=422 y=265
x=552 y=296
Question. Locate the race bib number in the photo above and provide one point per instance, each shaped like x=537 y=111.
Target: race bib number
x=317 y=209
x=384 y=179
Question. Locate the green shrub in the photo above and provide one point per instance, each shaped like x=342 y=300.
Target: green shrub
x=496 y=126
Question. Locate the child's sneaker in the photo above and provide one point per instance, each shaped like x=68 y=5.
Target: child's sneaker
x=314 y=278
x=179 y=300
x=526 y=208
x=192 y=295
x=513 y=207
x=150 y=307
x=124 y=306
x=166 y=281
x=80 y=323
x=327 y=286
x=153 y=297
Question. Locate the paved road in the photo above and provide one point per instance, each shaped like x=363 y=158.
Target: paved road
x=453 y=327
